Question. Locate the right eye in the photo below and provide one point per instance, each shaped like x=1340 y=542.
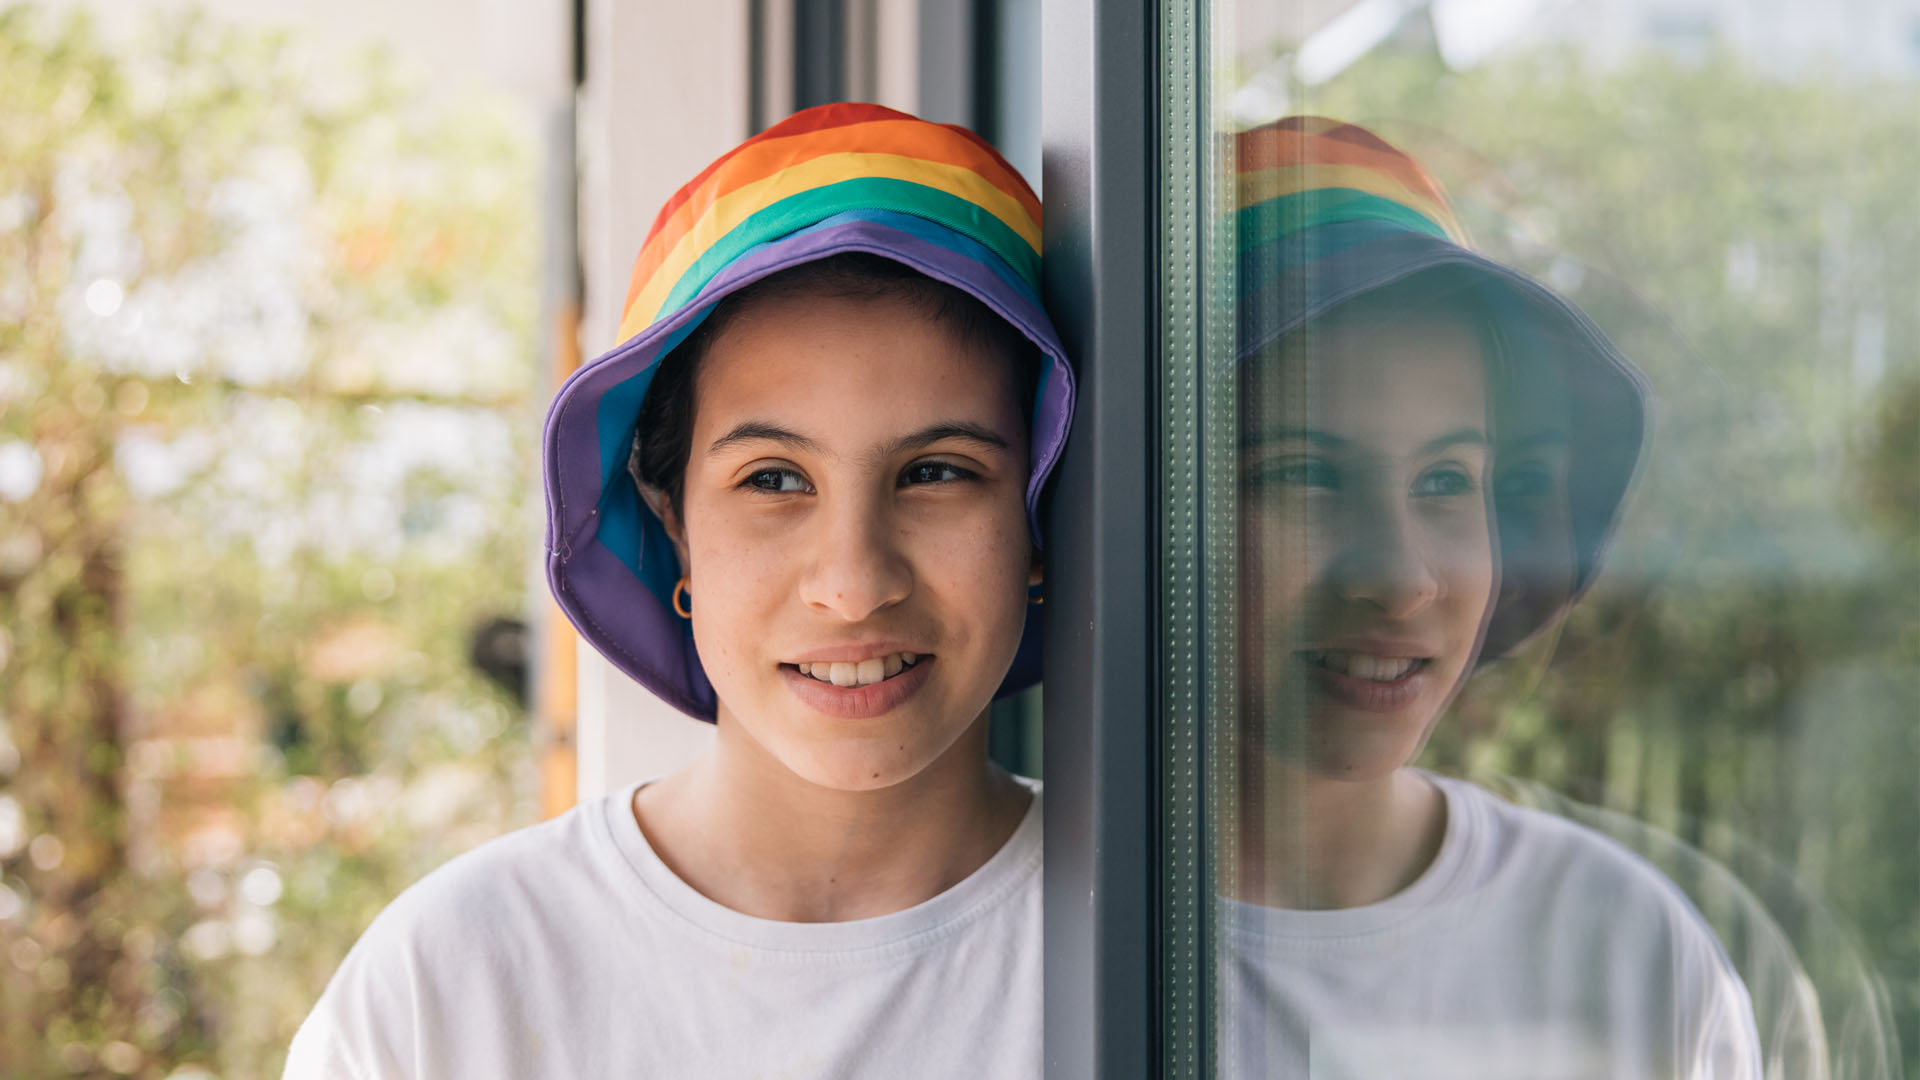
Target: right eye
x=776 y=482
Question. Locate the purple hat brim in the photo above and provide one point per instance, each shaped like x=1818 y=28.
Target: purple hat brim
x=609 y=564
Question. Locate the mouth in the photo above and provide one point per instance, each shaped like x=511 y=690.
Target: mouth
x=847 y=674
x=1368 y=681
x=859 y=689
x=1364 y=666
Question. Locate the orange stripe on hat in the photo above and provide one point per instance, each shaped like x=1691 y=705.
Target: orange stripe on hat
x=1308 y=153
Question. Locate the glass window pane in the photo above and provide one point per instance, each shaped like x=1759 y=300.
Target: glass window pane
x=1540 y=544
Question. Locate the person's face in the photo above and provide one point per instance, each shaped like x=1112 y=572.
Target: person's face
x=855 y=534
x=1365 y=538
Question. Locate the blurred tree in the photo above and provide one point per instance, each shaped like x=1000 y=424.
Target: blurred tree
x=265 y=433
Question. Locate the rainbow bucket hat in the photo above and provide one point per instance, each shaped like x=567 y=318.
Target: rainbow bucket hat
x=826 y=181
x=1327 y=211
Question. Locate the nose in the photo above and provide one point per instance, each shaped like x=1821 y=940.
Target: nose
x=858 y=566
x=1386 y=564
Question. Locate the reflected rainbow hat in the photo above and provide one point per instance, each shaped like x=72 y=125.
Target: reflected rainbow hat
x=1307 y=171
x=826 y=181
x=1326 y=211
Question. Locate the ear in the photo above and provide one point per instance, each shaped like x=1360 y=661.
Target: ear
x=1036 y=570
x=661 y=504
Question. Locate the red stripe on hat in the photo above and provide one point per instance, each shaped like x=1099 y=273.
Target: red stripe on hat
x=1316 y=140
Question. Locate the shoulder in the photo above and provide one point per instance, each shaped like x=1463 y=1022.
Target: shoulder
x=504 y=882
x=1586 y=891
x=1532 y=843
x=1562 y=872
x=452 y=934
x=1594 y=905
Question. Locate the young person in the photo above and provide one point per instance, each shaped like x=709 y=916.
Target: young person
x=1434 y=453
x=799 y=501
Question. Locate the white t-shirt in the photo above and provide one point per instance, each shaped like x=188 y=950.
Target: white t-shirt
x=569 y=949
x=1531 y=948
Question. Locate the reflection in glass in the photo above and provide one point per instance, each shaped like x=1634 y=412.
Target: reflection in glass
x=1433 y=454
x=1687 y=712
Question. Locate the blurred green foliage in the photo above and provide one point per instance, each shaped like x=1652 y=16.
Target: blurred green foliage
x=266 y=440
x=1746 y=676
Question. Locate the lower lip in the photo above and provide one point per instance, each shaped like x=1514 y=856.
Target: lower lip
x=1368 y=695
x=858 y=702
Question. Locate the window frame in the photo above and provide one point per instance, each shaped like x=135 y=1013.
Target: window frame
x=1099 y=140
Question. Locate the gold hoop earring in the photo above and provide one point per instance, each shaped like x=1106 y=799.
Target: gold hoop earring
x=679 y=589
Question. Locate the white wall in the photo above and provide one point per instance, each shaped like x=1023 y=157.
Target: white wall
x=666 y=93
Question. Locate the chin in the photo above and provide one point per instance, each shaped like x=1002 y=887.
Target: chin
x=860 y=767
x=858 y=753
x=1356 y=750
x=1339 y=759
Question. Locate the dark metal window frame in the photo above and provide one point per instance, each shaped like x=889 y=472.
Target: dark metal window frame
x=819 y=52
x=1100 y=138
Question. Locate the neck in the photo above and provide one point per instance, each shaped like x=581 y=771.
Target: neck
x=750 y=834
x=1307 y=841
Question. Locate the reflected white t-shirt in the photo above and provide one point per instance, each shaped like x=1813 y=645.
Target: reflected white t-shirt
x=569 y=949
x=1531 y=949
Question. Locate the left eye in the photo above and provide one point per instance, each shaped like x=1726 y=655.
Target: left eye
x=932 y=472
x=778 y=481
x=1444 y=482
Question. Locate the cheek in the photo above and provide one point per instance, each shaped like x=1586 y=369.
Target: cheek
x=978 y=565
x=736 y=578
x=1281 y=555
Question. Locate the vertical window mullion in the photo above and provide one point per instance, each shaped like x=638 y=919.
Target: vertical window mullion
x=1100 y=161
x=1182 y=206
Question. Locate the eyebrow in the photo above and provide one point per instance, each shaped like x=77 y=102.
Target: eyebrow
x=762 y=431
x=1464 y=436
x=954 y=429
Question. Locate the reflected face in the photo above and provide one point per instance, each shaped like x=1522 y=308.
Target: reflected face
x=855 y=534
x=1531 y=498
x=1366 y=547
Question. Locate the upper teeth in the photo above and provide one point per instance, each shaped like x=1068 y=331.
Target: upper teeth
x=1362 y=666
x=860 y=672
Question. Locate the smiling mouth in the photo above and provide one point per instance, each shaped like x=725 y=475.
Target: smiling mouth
x=1380 y=669
x=859 y=673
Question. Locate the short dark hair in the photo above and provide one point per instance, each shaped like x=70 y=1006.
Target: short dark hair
x=663 y=436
